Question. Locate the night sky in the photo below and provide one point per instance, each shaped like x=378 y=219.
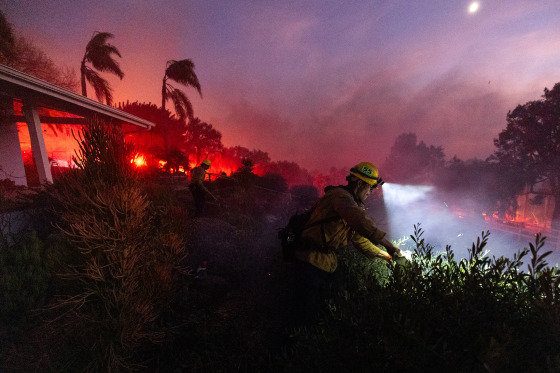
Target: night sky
x=322 y=83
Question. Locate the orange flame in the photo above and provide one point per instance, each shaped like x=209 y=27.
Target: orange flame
x=139 y=160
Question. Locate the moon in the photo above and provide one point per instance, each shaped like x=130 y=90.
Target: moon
x=473 y=8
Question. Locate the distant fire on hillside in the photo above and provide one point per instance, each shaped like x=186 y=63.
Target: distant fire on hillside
x=61 y=145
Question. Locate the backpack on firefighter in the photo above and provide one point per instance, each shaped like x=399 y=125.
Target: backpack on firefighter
x=290 y=235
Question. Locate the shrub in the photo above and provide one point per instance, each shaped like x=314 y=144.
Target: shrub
x=272 y=182
x=23 y=281
x=124 y=270
x=438 y=314
x=304 y=196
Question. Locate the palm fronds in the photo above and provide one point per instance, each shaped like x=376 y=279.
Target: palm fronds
x=103 y=90
x=183 y=106
x=181 y=71
x=101 y=56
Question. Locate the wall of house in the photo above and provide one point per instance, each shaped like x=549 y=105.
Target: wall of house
x=60 y=141
x=539 y=215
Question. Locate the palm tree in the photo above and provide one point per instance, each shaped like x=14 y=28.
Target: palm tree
x=99 y=54
x=182 y=72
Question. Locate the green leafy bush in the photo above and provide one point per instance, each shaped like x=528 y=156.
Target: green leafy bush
x=490 y=303
x=439 y=314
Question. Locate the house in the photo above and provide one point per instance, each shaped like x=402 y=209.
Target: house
x=535 y=207
x=38 y=97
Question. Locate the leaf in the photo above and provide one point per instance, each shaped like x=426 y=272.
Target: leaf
x=100 y=54
x=102 y=89
x=182 y=71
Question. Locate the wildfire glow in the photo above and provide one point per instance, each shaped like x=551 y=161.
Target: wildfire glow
x=139 y=160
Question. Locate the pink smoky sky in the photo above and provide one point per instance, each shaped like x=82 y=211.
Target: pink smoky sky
x=322 y=83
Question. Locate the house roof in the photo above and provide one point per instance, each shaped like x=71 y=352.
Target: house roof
x=19 y=85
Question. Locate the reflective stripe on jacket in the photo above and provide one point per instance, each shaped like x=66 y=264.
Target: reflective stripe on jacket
x=353 y=226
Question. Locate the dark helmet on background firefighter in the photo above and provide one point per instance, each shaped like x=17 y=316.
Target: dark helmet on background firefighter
x=367 y=172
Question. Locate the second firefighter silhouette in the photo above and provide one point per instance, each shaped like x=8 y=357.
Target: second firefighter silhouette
x=197 y=188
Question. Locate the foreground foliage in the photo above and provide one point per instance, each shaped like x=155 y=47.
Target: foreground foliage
x=115 y=260
x=439 y=314
x=125 y=268
x=106 y=289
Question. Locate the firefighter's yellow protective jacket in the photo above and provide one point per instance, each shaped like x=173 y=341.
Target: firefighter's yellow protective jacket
x=353 y=225
x=198 y=174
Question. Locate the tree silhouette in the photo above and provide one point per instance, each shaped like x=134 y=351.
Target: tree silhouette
x=7 y=40
x=100 y=55
x=478 y=185
x=290 y=171
x=167 y=138
x=182 y=72
x=530 y=145
x=201 y=139
x=412 y=162
x=20 y=54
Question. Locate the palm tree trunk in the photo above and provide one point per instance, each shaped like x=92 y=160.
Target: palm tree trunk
x=164 y=93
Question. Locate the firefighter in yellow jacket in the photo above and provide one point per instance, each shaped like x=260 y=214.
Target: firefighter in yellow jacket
x=337 y=219
x=197 y=188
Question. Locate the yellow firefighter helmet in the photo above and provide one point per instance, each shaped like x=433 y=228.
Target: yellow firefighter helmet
x=206 y=162
x=367 y=172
